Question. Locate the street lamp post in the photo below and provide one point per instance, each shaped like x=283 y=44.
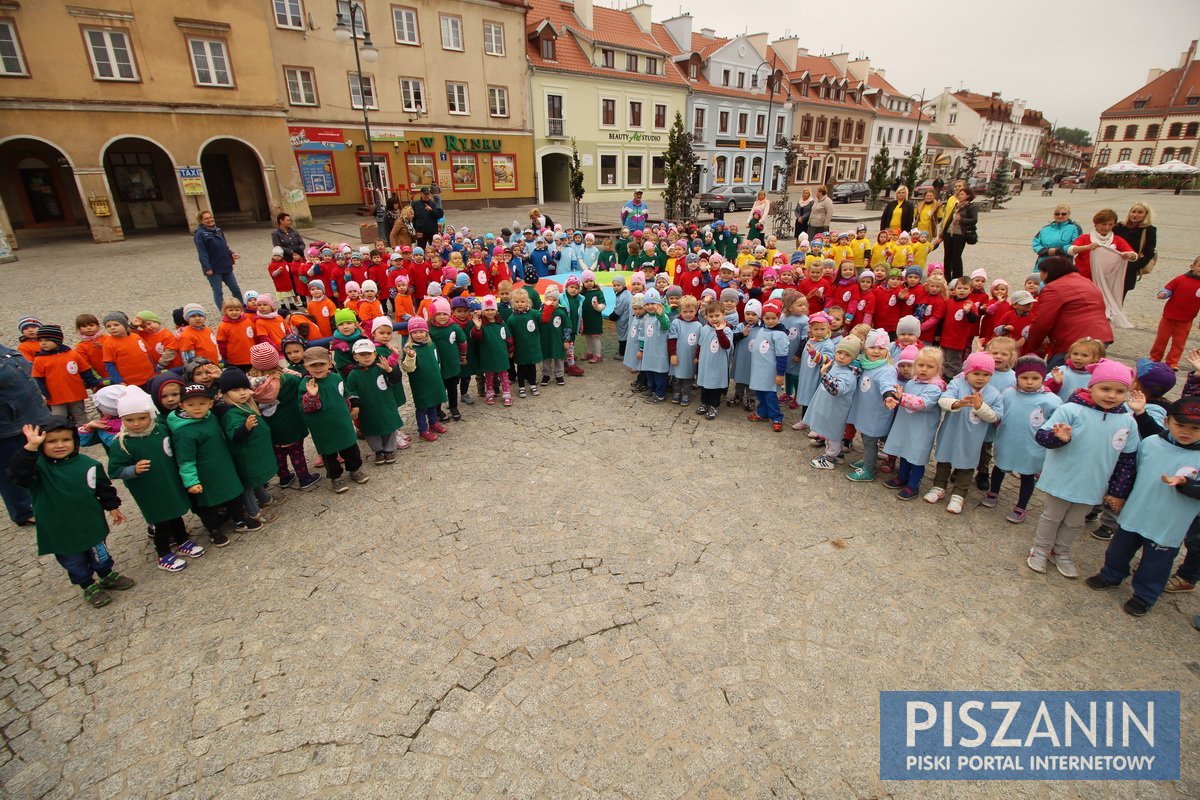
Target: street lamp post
x=770 y=107
x=345 y=32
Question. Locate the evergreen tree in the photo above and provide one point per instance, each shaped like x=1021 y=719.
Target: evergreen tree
x=911 y=172
x=1000 y=184
x=968 y=168
x=781 y=218
x=681 y=171
x=881 y=168
x=576 y=180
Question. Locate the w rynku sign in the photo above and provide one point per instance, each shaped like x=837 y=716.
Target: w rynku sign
x=1029 y=735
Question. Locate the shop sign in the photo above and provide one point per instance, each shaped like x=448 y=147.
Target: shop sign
x=636 y=136
x=192 y=180
x=462 y=144
x=385 y=134
x=305 y=138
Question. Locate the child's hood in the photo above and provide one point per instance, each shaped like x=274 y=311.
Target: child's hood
x=160 y=382
x=56 y=423
x=177 y=421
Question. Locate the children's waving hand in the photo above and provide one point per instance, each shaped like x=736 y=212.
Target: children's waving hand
x=1137 y=402
x=251 y=422
x=34 y=436
x=312 y=387
x=1063 y=431
x=1193 y=358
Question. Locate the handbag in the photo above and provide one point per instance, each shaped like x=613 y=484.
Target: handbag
x=1148 y=267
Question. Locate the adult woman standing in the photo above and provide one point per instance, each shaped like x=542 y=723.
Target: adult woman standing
x=762 y=205
x=1138 y=229
x=959 y=231
x=1056 y=236
x=402 y=231
x=286 y=236
x=802 y=211
x=898 y=213
x=1069 y=308
x=822 y=212
x=216 y=257
x=925 y=216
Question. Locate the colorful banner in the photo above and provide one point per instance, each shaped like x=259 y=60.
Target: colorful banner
x=603 y=280
x=305 y=138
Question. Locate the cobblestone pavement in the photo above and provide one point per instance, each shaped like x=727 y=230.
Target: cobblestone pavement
x=580 y=596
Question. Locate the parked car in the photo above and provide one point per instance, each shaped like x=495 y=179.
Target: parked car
x=849 y=192
x=728 y=198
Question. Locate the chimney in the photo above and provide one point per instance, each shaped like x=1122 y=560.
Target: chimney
x=709 y=33
x=641 y=15
x=1188 y=56
x=583 y=12
x=680 y=29
x=1154 y=74
x=801 y=52
x=785 y=48
x=860 y=68
x=759 y=42
x=839 y=61
x=882 y=73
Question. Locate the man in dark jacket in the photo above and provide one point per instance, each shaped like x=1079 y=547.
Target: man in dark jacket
x=216 y=258
x=425 y=217
x=20 y=404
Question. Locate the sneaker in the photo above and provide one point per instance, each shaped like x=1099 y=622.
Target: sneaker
x=1104 y=533
x=1091 y=515
x=443 y=416
x=1016 y=516
x=894 y=483
x=823 y=462
x=171 y=563
x=150 y=532
x=955 y=506
x=785 y=399
x=249 y=524
x=560 y=381
x=95 y=596
x=114 y=581
x=507 y=400
x=437 y=427
x=389 y=456
x=1136 y=607
x=218 y=538
x=545 y=380
x=816 y=441
x=889 y=465
x=982 y=480
x=1178 y=584
x=455 y=415
x=273 y=501
x=906 y=493
x=777 y=427
x=1036 y=562
x=840 y=458
x=654 y=399
x=521 y=392
x=1066 y=567
x=701 y=409
x=1098 y=583
x=792 y=404
x=989 y=500
x=319 y=462
x=468 y=398
x=734 y=401
x=358 y=476
x=309 y=481
x=189 y=549
x=285 y=482
x=489 y=400
x=711 y=413
x=754 y=417
x=685 y=401
x=338 y=485
x=380 y=459
x=799 y=426
x=574 y=371
x=675 y=399
x=934 y=495
x=860 y=475
x=856 y=464
x=533 y=390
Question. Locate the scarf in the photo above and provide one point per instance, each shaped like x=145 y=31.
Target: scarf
x=866 y=364
x=265 y=315
x=266 y=392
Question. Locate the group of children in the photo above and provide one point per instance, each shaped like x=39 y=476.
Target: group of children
x=859 y=335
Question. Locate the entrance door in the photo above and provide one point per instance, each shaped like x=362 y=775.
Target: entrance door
x=218 y=176
x=41 y=192
x=372 y=176
x=829 y=172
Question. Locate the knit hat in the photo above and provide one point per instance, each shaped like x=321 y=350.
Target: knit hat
x=488 y=302
x=276 y=251
x=729 y=295
x=417 y=324
x=999 y=282
x=25 y=322
x=1155 y=377
x=1020 y=298
x=909 y=324
x=462 y=280
x=1030 y=363
x=618 y=280
x=370 y=286
x=849 y=344
x=572 y=280
x=190 y=367
x=866 y=273
x=820 y=318
x=459 y=302
x=673 y=291
x=148 y=316
x=637 y=301
x=112 y=316
x=772 y=307
x=651 y=296
x=552 y=291
x=440 y=305
x=190 y=310
x=754 y=307
x=233 y=378
x=363 y=346
x=979 y=273
x=770 y=273
x=796 y=258
x=587 y=275
x=382 y=322
x=981 y=361
x=264 y=356
x=352 y=286
x=266 y=297
x=877 y=337
x=709 y=293
x=1108 y=370
x=913 y=270
x=344 y=315
x=434 y=289
x=134 y=401
x=1185 y=410
x=908 y=355
x=194 y=390
x=316 y=283
x=248 y=295
x=318 y=355
x=52 y=332
x=106 y=399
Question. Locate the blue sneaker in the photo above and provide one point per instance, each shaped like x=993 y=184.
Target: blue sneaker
x=189 y=549
x=171 y=563
x=860 y=474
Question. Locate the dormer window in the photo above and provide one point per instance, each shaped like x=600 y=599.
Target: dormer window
x=548 y=51
x=608 y=58
x=1139 y=103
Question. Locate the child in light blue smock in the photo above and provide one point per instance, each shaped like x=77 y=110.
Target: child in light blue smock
x=814 y=354
x=652 y=346
x=1004 y=352
x=795 y=321
x=1024 y=409
x=712 y=373
x=683 y=344
x=911 y=436
x=1091 y=449
x=830 y=407
x=637 y=311
x=870 y=412
x=971 y=404
x=768 y=347
x=741 y=355
x=1074 y=373
x=620 y=313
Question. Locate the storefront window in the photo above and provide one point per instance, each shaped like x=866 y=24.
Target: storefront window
x=722 y=169
x=608 y=170
x=316 y=171
x=464 y=172
x=658 y=170
x=633 y=170
x=420 y=170
x=504 y=173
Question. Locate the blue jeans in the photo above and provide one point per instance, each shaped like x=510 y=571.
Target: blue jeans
x=768 y=405
x=229 y=279
x=425 y=418
x=81 y=566
x=16 y=499
x=658 y=383
x=252 y=497
x=1151 y=576
x=910 y=474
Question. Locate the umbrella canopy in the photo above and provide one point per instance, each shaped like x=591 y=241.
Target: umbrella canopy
x=1175 y=167
x=1124 y=168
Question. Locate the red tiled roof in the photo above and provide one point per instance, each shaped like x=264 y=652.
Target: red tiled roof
x=945 y=141
x=876 y=81
x=1166 y=93
x=700 y=44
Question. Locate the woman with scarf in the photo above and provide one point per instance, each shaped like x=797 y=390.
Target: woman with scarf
x=1101 y=256
x=1139 y=231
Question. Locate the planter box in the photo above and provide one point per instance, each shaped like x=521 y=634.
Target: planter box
x=876 y=205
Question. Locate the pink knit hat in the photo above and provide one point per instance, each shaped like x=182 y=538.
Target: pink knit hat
x=264 y=356
x=441 y=305
x=417 y=324
x=488 y=302
x=981 y=361
x=878 y=337
x=1108 y=370
x=908 y=355
x=266 y=297
x=587 y=275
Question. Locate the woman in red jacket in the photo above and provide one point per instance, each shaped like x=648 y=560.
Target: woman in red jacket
x=1069 y=307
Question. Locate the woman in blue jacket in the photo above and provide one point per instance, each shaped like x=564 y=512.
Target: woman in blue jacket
x=216 y=257
x=1055 y=237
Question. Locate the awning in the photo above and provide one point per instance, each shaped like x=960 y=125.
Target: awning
x=1022 y=163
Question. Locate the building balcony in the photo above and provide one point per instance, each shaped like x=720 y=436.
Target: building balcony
x=698 y=135
x=554 y=128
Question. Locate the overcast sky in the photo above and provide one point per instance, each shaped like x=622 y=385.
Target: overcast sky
x=1068 y=59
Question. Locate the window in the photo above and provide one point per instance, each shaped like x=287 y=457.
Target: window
x=693 y=71
x=910 y=133
x=890 y=132
x=756 y=165
x=112 y=58
x=953 y=118
x=11 y=60
x=608 y=112
x=698 y=120
x=743 y=123
x=1194 y=100
x=739 y=170
x=412 y=94
x=498 y=101
x=301 y=86
x=879 y=130
x=660 y=116
x=608 y=170
x=608 y=58
x=548 y=49
x=806 y=128
x=1124 y=154
x=456 y=98
x=1152 y=131
x=754 y=81
x=1192 y=129
x=452 y=38
x=820 y=128
x=658 y=170
x=317 y=173
x=1139 y=103
x=504 y=172
x=1167 y=154
x=633 y=170
x=779 y=123
x=651 y=66
x=835 y=127
x=464 y=172
x=404 y=22
x=1102 y=158
x=724 y=77
x=210 y=64
x=741 y=80
x=360 y=17
x=801 y=170
x=1131 y=131
x=723 y=122
x=1173 y=132
x=554 y=114
x=635 y=114
x=1185 y=155
x=721 y=170
x=493 y=38
x=760 y=125
x=1146 y=156
x=860 y=131
x=631 y=62
x=289 y=14
x=1110 y=132
x=364 y=91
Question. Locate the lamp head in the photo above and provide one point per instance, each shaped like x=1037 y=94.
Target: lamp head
x=342 y=31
